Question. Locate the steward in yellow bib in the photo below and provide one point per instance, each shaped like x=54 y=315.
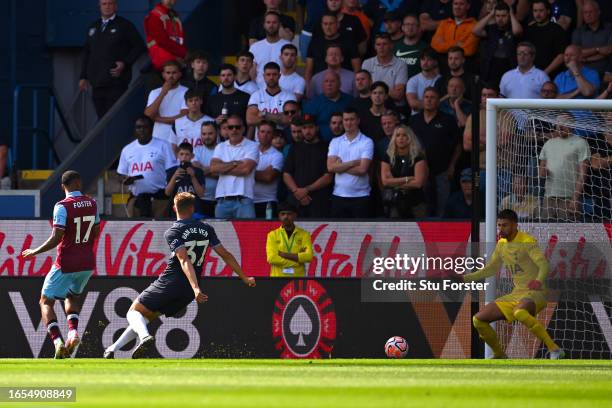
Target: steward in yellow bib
x=288 y=247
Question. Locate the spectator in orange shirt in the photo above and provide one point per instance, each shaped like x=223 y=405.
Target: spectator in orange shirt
x=456 y=31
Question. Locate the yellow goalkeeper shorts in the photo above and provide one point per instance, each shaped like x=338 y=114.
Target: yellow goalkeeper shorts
x=508 y=303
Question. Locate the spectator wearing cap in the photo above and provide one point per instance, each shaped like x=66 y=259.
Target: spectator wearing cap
x=289 y=247
x=234 y=161
x=330 y=101
x=410 y=47
x=428 y=77
x=578 y=81
x=500 y=40
x=524 y=81
x=349 y=159
x=112 y=46
x=267 y=172
x=392 y=24
x=305 y=173
x=439 y=135
x=333 y=59
x=595 y=37
x=388 y=69
x=229 y=100
x=257 y=31
x=268 y=49
x=456 y=31
x=196 y=78
x=460 y=203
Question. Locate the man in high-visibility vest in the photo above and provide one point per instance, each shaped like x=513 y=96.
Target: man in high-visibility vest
x=164 y=32
x=288 y=247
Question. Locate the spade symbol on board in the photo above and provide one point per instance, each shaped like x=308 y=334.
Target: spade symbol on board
x=300 y=325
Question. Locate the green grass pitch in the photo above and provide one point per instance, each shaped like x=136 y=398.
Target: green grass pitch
x=319 y=383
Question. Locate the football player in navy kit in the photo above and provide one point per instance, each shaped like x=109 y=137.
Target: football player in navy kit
x=178 y=285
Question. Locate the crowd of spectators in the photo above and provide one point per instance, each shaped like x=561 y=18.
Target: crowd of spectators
x=377 y=120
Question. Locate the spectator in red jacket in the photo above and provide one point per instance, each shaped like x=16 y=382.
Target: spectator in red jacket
x=164 y=32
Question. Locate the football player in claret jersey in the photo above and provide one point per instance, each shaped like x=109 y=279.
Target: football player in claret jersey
x=178 y=285
x=520 y=254
x=76 y=225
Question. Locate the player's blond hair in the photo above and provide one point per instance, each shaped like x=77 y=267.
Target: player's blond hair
x=184 y=201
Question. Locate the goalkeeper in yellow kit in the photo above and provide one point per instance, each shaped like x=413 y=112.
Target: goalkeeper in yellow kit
x=520 y=254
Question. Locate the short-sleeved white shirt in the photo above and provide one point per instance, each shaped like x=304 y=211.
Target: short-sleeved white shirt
x=188 y=130
x=417 y=84
x=172 y=104
x=293 y=83
x=151 y=160
x=265 y=192
x=249 y=87
x=265 y=52
x=562 y=158
x=518 y=85
x=228 y=185
x=361 y=147
x=269 y=103
x=203 y=155
x=393 y=73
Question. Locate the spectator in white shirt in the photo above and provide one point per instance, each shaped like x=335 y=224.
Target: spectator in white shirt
x=267 y=172
x=349 y=159
x=187 y=128
x=234 y=161
x=244 y=65
x=167 y=104
x=203 y=155
x=144 y=163
x=291 y=81
x=268 y=49
x=267 y=103
x=525 y=81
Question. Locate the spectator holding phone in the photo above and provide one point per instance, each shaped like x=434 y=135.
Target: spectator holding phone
x=185 y=178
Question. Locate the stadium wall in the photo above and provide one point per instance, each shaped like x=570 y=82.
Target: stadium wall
x=320 y=316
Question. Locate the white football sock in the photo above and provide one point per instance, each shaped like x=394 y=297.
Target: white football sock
x=138 y=323
x=128 y=335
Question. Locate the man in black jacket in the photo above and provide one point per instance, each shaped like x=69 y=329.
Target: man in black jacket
x=112 y=46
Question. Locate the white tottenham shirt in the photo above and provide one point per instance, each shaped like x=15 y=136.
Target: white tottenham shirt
x=151 y=161
x=189 y=131
x=293 y=83
x=228 y=185
x=265 y=52
x=171 y=105
x=265 y=192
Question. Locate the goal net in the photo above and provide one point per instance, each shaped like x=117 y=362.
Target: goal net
x=551 y=162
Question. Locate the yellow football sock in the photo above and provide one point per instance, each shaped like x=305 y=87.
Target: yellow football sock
x=487 y=334
x=535 y=327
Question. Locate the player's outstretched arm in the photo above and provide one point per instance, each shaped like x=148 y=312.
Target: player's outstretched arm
x=229 y=259
x=537 y=256
x=489 y=269
x=187 y=267
x=50 y=243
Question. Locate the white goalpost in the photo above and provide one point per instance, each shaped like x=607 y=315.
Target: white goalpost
x=551 y=161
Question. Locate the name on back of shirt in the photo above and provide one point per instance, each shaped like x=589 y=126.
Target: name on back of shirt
x=194 y=230
x=82 y=204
